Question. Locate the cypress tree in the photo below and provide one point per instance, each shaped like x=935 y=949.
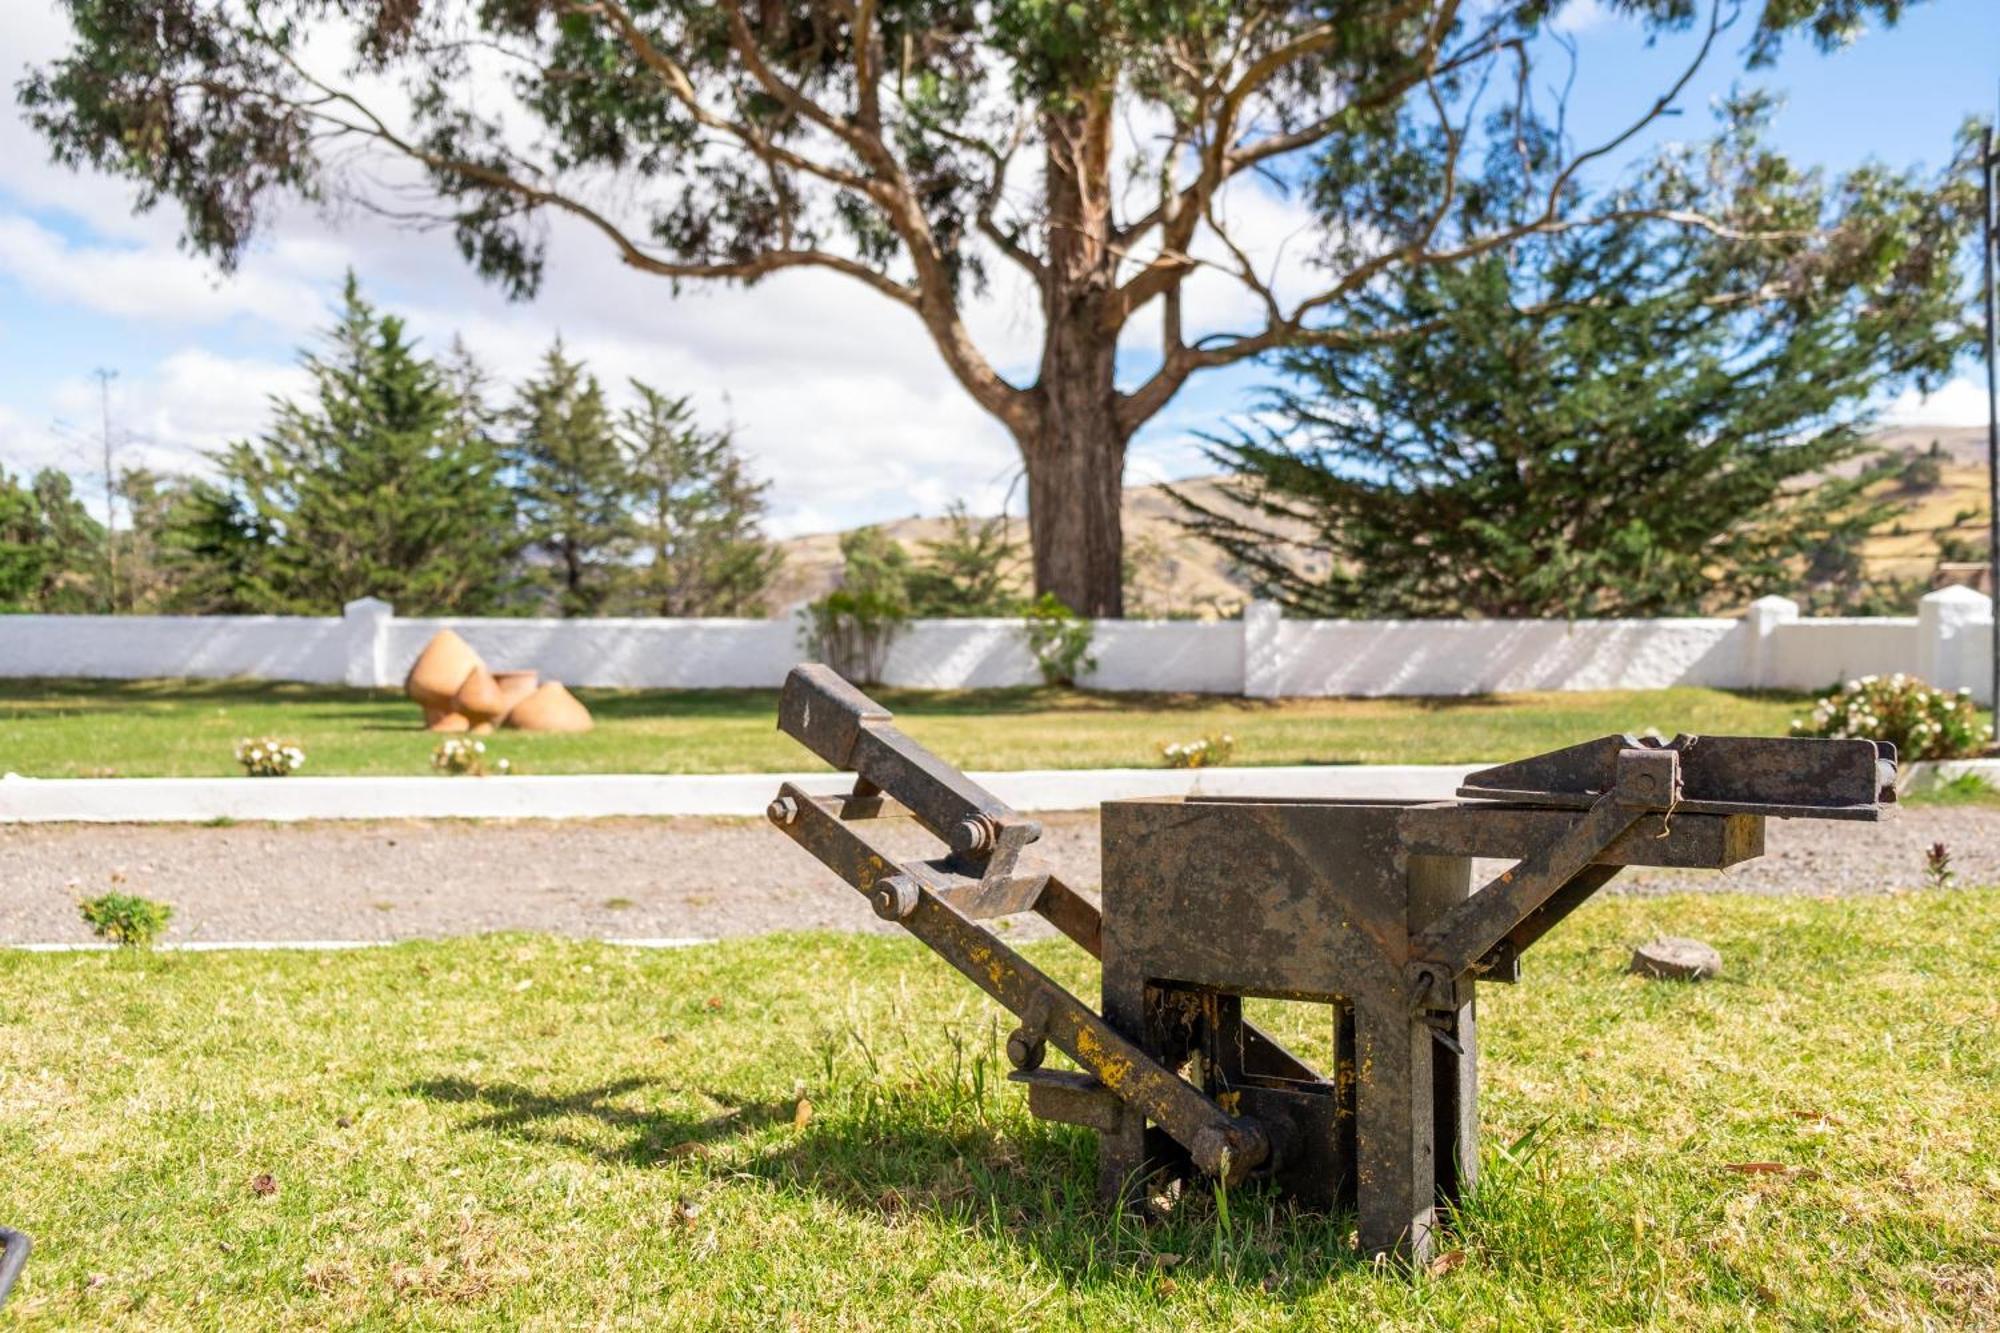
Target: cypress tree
x=568 y=482
x=373 y=486
x=696 y=512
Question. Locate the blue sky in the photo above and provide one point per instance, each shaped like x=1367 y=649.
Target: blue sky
x=837 y=395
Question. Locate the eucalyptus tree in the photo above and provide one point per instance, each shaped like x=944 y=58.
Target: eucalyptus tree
x=910 y=145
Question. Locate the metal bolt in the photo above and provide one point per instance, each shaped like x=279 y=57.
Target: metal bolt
x=894 y=898
x=783 y=810
x=973 y=835
x=1025 y=1052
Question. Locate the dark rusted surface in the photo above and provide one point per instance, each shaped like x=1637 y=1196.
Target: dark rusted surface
x=1782 y=777
x=1365 y=907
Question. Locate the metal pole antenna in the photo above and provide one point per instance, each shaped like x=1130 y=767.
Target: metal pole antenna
x=104 y=378
x=1989 y=164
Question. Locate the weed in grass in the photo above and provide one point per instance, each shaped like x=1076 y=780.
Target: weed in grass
x=1938 y=873
x=126 y=919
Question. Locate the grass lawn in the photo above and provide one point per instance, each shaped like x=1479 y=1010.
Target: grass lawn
x=523 y=1132
x=190 y=728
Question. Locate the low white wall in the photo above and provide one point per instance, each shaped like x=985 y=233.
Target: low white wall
x=1263 y=655
x=196 y=800
x=1810 y=654
x=308 y=648
x=658 y=654
x=1334 y=657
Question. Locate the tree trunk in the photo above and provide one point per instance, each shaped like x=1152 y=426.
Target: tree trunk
x=1076 y=473
x=1074 y=450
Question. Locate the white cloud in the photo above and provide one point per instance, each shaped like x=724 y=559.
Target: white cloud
x=151 y=281
x=1959 y=402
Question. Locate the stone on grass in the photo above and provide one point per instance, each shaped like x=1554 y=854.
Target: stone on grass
x=1675 y=958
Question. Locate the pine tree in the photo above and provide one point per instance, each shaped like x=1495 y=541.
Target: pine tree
x=24 y=550
x=973 y=570
x=374 y=486
x=568 y=483
x=696 y=513
x=1633 y=420
x=72 y=564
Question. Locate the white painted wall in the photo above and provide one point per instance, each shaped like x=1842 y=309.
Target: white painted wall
x=1263 y=655
x=1810 y=654
x=1334 y=657
x=309 y=648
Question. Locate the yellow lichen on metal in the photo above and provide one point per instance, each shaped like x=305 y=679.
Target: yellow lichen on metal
x=1111 y=1068
x=997 y=970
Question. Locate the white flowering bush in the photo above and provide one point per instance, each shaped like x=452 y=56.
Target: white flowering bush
x=1921 y=721
x=1203 y=752
x=463 y=756
x=269 y=757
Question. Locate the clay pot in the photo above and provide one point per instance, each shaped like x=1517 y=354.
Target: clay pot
x=550 y=708
x=480 y=699
x=440 y=669
x=444 y=719
x=516 y=686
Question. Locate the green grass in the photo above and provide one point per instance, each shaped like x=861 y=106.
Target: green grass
x=522 y=1132
x=190 y=728
x=1963 y=790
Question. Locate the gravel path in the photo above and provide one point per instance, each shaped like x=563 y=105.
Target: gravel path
x=629 y=879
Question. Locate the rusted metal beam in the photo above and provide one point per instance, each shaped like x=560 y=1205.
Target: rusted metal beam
x=1223 y=1145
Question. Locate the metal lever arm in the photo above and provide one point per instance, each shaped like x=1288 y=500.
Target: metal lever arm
x=849 y=730
x=1647 y=780
x=1221 y=1144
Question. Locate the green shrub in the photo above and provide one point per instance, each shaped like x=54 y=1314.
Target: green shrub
x=126 y=918
x=850 y=629
x=1920 y=721
x=1059 y=638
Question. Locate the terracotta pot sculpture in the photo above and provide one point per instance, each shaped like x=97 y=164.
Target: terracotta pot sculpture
x=550 y=708
x=480 y=699
x=439 y=670
x=516 y=686
x=444 y=719
x=459 y=693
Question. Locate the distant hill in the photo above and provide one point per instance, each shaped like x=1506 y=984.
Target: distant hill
x=1177 y=574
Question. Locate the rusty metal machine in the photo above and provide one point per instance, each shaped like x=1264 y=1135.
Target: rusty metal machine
x=1367 y=906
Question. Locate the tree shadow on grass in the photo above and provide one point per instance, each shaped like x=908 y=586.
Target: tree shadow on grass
x=1031 y=1187
x=651 y=1136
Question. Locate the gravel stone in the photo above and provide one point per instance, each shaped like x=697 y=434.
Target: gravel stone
x=1676 y=958
x=648 y=878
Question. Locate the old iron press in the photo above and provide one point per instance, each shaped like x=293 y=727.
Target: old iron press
x=1368 y=906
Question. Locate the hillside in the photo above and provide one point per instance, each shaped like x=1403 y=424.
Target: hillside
x=1177 y=574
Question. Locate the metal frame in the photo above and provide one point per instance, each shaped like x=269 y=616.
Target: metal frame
x=1366 y=906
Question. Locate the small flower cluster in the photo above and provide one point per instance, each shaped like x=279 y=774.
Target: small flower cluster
x=1206 y=752
x=1922 y=722
x=269 y=757
x=461 y=756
